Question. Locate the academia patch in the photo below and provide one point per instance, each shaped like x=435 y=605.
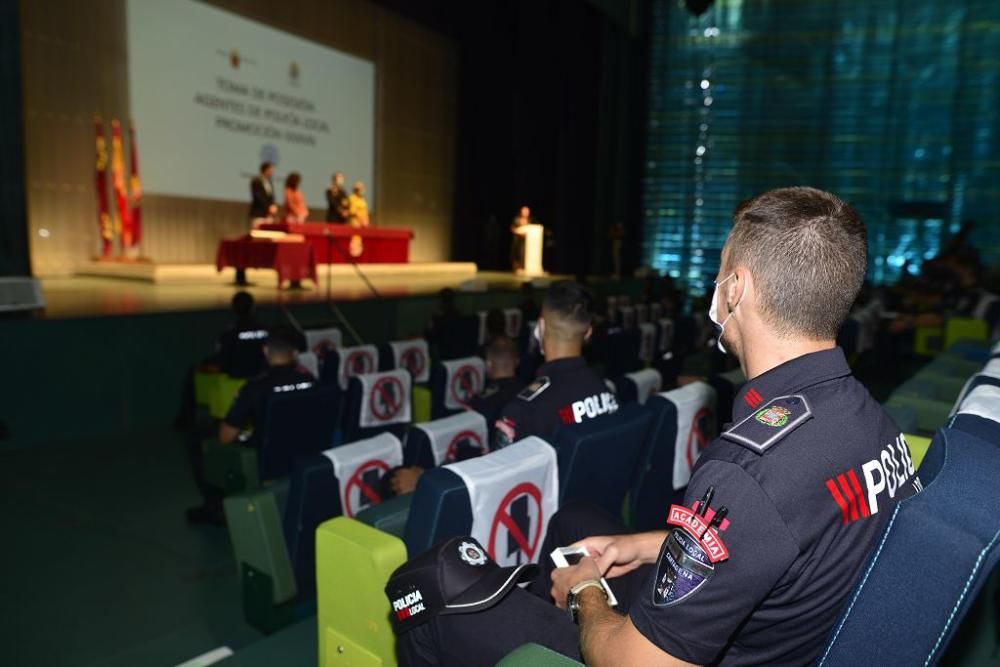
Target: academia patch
x=683 y=568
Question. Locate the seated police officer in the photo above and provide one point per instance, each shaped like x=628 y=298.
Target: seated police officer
x=782 y=510
x=280 y=354
x=238 y=349
x=501 y=387
x=283 y=374
x=565 y=389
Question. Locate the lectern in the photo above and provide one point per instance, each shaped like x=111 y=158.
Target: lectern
x=534 y=238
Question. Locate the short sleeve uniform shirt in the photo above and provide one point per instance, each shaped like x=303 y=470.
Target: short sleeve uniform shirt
x=809 y=472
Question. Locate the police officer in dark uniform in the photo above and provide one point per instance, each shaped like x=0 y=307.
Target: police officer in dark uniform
x=782 y=510
x=565 y=389
x=282 y=374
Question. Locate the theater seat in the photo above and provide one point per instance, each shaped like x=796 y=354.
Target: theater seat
x=354 y=562
x=518 y=483
x=446 y=440
x=321 y=341
x=598 y=458
x=726 y=385
x=932 y=560
x=269 y=587
x=378 y=402
x=411 y=354
x=637 y=387
x=341 y=481
x=682 y=424
x=342 y=364
x=454 y=383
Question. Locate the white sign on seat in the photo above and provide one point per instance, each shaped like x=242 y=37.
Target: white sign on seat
x=513 y=492
x=320 y=341
x=359 y=468
x=385 y=398
x=647 y=382
x=356 y=360
x=413 y=356
x=464 y=380
x=309 y=362
x=696 y=426
x=449 y=435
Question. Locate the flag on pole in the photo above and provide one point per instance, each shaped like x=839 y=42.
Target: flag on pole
x=101 y=184
x=135 y=187
x=124 y=223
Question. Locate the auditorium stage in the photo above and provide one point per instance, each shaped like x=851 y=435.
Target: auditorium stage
x=113 y=288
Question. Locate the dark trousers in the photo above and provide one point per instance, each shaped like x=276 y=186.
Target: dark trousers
x=525 y=615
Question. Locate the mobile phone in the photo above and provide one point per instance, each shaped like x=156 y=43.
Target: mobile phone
x=566 y=556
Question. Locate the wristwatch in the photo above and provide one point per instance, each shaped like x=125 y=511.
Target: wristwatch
x=573 y=605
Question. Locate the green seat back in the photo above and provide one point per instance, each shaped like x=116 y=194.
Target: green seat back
x=932 y=386
x=918 y=448
x=204 y=386
x=353 y=564
x=421 y=404
x=928 y=341
x=230 y=467
x=950 y=365
x=389 y=516
x=255 y=531
x=964 y=328
x=222 y=397
x=534 y=655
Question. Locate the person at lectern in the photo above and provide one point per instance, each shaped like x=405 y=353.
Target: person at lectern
x=262 y=193
x=338 y=202
x=522 y=218
x=295 y=202
x=358 y=206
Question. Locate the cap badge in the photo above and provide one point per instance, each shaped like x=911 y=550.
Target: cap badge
x=472 y=554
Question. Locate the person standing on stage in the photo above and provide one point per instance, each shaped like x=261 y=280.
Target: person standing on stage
x=262 y=193
x=295 y=202
x=522 y=218
x=338 y=203
x=358 y=206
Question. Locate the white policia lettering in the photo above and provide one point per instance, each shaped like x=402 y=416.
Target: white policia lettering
x=412 y=602
x=593 y=406
x=888 y=472
x=281 y=388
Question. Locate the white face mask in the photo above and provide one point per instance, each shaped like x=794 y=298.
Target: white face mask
x=537 y=333
x=713 y=311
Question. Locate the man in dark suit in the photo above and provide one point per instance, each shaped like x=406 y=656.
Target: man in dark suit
x=337 y=202
x=262 y=193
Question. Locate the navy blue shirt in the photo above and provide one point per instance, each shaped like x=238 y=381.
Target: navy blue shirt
x=565 y=391
x=250 y=400
x=809 y=472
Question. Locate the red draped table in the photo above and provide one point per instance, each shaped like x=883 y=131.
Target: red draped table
x=293 y=259
x=339 y=244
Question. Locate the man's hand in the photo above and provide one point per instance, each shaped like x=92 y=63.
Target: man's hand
x=405 y=480
x=616 y=555
x=565 y=578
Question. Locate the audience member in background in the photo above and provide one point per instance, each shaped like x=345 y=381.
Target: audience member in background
x=565 y=389
x=501 y=387
x=262 y=193
x=358 y=206
x=496 y=325
x=443 y=318
x=283 y=374
x=295 y=202
x=239 y=352
x=784 y=552
x=281 y=355
x=338 y=203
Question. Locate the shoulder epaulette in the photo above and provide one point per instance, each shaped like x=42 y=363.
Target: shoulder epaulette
x=766 y=427
x=535 y=389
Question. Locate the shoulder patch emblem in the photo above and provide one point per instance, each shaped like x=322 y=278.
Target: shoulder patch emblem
x=769 y=425
x=535 y=389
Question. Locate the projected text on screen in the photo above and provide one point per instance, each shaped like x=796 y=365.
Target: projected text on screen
x=213 y=95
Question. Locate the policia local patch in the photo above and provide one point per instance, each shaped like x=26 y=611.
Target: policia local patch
x=690 y=553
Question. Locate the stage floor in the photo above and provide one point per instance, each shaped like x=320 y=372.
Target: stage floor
x=114 y=289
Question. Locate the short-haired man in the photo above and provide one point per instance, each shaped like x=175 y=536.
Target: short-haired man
x=782 y=510
x=283 y=372
x=565 y=390
x=262 y=193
